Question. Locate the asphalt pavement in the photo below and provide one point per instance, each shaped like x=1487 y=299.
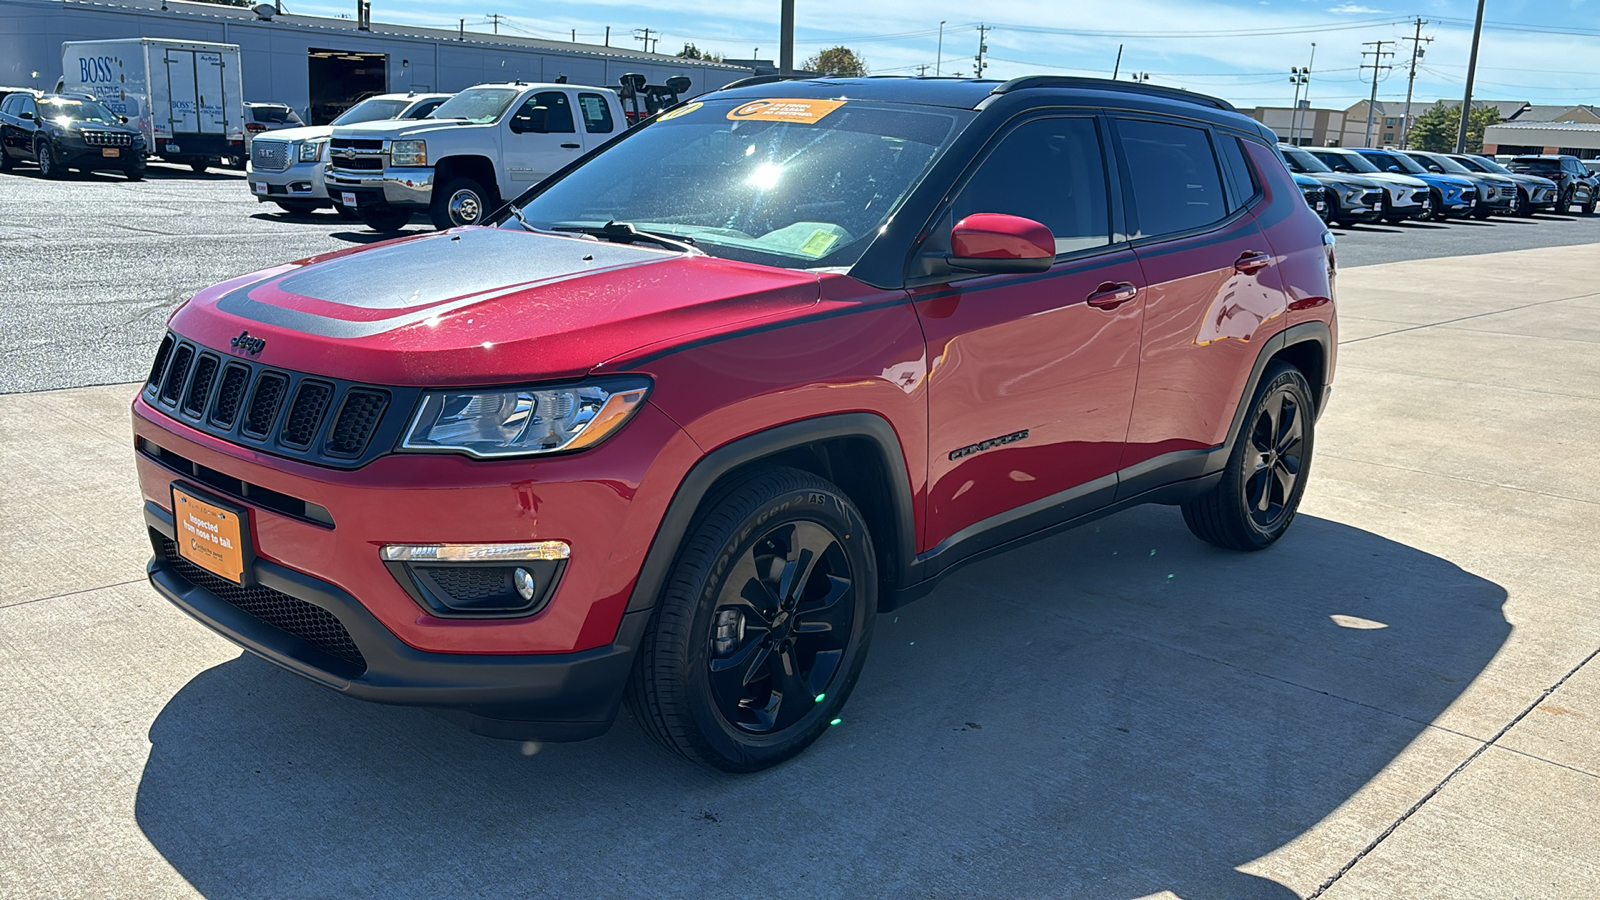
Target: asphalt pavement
x=93 y=265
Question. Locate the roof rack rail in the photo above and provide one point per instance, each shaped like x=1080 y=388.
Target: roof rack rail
x=763 y=79
x=1106 y=84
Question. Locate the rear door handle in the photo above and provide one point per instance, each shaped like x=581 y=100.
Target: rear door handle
x=569 y=146
x=1112 y=294
x=1252 y=261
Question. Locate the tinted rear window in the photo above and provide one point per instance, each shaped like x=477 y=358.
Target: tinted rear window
x=1538 y=165
x=275 y=115
x=1177 y=185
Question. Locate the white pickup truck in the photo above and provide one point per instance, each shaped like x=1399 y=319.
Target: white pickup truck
x=481 y=147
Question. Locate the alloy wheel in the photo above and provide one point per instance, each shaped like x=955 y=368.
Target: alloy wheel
x=780 y=627
x=46 y=164
x=1275 y=456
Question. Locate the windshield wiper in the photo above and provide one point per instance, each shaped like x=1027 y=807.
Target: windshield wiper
x=625 y=233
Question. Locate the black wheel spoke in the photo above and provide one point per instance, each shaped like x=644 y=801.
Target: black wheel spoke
x=794 y=696
x=731 y=676
x=827 y=620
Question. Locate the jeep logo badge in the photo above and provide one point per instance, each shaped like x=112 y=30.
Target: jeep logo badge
x=244 y=343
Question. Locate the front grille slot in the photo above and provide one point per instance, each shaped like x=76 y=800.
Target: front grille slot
x=359 y=164
x=160 y=365
x=264 y=404
x=177 y=374
x=358 y=418
x=235 y=378
x=107 y=139
x=238 y=488
x=356 y=144
x=205 y=372
x=305 y=413
x=291 y=615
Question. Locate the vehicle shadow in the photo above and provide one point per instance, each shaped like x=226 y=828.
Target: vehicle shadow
x=1109 y=713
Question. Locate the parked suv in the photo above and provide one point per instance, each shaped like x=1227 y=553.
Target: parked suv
x=287 y=166
x=1533 y=192
x=1497 y=194
x=62 y=132
x=1570 y=175
x=479 y=148
x=1351 y=199
x=688 y=415
x=1452 y=196
x=1404 y=197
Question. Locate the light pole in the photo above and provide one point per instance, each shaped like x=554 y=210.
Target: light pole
x=938 y=63
x=1140 y=77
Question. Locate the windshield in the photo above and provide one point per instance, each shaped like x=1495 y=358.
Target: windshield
x=1302 y=162
x=76 y=110
x=1346 y=162
x=1487 y=165
x=370 y=110
x=799 y=184
x=480 y=105
x=1447 y=164
x=1399 y=160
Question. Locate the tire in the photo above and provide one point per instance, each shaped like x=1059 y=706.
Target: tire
x=1519 y=205
x=384 y=219
x=6 y=162
x=463 y=201
x=1588 y=208
x=1439 y=214
x=1279 y=430
x=750 y=540
x=346 y=213
x=1565 y=205
x=134 y=173
x=47 y=163
x=199 y=166
x=296 y=207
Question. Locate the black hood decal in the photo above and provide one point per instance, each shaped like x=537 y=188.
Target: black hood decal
x=390 y=287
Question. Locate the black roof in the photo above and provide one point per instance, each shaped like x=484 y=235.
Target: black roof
x=970 y=93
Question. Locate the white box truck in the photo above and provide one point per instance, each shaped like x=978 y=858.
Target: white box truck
x=186 y=96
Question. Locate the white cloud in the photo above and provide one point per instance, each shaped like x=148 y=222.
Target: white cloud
x=1350 y=9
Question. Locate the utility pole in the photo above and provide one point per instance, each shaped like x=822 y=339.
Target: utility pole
x=1377 y=66
x=1118 y=67
x=643 y=35
x=1472 y=70
x=1411 y=82
x=938 y=60
x=496 y=17
x=462 y=34
x=922 y=71
x=786 y=38
x=983 y=31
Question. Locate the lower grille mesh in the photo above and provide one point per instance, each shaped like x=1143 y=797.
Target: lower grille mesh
x=306 y=621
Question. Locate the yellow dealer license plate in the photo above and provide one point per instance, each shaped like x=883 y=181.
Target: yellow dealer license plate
x=210 y=535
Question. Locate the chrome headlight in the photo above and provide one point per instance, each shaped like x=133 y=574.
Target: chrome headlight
x=409 y=153
x=311 y=150
x=524 y=421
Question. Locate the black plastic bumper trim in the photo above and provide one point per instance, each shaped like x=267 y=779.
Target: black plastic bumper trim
x=551 y=697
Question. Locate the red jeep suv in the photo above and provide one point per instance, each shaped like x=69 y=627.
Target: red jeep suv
x=690 y=413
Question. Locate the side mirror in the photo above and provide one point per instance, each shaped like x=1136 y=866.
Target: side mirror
x=1394 y=169
x=995 y=242
x=531 y=122
x=122 y=119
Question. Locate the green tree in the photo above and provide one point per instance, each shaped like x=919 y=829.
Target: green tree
x=690 y=51
x=837 y=61
x=1436 y=129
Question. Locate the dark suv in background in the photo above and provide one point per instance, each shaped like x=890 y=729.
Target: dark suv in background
x=60 y=132
x=1533 y=192
x=1574 y=182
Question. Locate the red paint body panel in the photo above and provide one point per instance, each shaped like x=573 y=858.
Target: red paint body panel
x=1011 y=353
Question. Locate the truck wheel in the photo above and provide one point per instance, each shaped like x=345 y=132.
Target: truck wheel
x=346 y=213
x=461 y=202
x=135 y=173
x=296 y=207
x=762 y=629
x=384 y=219
x=1254 y=503
x=47 y=163
x=199 y=166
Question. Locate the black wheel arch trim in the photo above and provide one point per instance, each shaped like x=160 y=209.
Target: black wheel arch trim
x=697 y=485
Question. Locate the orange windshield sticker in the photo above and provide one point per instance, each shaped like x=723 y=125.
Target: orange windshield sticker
x=808 y=112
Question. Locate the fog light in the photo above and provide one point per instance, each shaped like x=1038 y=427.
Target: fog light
x=526 y=586
x=478 y=580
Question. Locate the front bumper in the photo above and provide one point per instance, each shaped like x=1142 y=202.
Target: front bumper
x=407 y=188
x=94 y=158
x=301 y=181
x=553 y=697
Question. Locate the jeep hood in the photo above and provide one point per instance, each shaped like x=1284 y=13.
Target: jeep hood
x=483 y=306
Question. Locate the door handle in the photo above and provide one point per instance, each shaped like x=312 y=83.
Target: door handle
x=1111 y=295
x=1252 y=261
x=569 y=146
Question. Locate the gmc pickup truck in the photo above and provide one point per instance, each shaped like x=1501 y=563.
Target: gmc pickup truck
x=485 y=145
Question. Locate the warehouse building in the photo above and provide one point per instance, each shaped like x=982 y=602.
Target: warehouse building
x=1580 y=139
x=320 y=65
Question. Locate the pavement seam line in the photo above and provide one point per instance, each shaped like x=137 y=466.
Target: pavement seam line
x=1543 y=696
x=1551 y=762
x=1495 y=312
x=1494 y=484
x=69 y=593
x=1346 y=366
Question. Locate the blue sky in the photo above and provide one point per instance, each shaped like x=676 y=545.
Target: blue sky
x=1544 y=51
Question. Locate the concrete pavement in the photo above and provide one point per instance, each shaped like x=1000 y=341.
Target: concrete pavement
x=1399 y=700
